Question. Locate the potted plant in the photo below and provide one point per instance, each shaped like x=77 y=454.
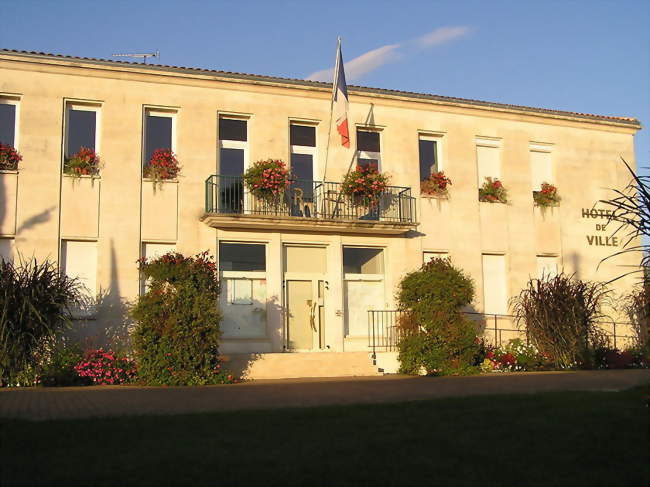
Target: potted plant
x=547 y=196
x=163 y=165
x=492 y=191
x=365 y=185
x=267 y=179
x=437 y=184
x=83 y=163
x=9 y=158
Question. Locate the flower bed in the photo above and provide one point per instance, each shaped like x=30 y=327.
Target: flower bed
x=365 y=185
x=106 y=367
x=547 y=196
x=163 y=165
x=83 y=163
x=493 y=191
x=437 y=184
x=267 y=179
x=9 y=158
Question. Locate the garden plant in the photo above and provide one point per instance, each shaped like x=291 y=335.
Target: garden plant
x=547 y=196
x=434 y=333
x=267 y=179
x=437 y=184
x=9 y=157
x=493 y=191
x=365 y=185
x=162 y=166
x=85 y=162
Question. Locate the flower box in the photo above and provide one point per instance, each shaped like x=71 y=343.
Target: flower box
x=493 y=191
x=436 y=185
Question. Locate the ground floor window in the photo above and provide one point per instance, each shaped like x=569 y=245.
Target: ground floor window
x=363 y=286
x=243 y=297
x=427 y=256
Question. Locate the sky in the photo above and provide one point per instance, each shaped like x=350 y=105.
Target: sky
x=588 y=56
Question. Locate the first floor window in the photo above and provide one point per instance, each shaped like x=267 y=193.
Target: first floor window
x=428 y=152
x=158 y=132
x=368 y=149
x=8 y=118
x=152 y=251
x=81 y=128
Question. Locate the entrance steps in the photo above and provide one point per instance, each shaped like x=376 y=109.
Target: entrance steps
x=292 y=365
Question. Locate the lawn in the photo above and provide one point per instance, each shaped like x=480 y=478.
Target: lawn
x=581 y=438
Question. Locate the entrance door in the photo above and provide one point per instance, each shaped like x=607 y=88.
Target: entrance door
x=304 y=269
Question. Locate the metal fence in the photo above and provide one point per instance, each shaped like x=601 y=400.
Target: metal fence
x=497 y=329
x=308 y=199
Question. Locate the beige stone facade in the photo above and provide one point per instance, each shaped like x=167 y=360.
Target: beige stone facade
x=120 y=216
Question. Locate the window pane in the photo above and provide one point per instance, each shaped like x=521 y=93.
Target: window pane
x=303 y=135
x=159 y=135
x=7 y=124
x=368 y=141
x=302 y=168
x=368 y=162
x=242 y=257
x=230 y=129
x=358 y=260
x=428 y=162
x=231 y=162
x=81 y=131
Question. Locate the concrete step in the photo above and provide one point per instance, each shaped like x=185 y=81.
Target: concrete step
x=297 y=365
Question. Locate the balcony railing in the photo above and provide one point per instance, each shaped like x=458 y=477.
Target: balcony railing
x=318 y=200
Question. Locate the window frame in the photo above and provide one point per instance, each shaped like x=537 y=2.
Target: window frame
x=542 y=148
x=233 y=144
x=493 y=143
x=362 y=154
x=82 y=106
x=157 y=111
x=438 y=139
x=305 y=149
x=7 y=99
x=351 y=276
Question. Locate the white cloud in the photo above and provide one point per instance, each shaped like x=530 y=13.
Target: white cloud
x=371 y=60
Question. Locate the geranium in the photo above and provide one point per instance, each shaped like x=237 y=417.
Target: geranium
x=365 y=185
x=547 y=196
x=83 y=163
x=267 y=179
x=437 y=184
x=106 y=367
x=9 y=157
x=162 y=165
x=493 y=191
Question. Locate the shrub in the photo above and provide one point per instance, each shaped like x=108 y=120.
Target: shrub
x=435 y=335
x=35 y=303
x=176 y=338
x=560 y=315
x=365 y=185
x=637 y=308
x=105 y=367
x=612 y=358
x=9 y=157
x=83 y=163
x=162 y=165
x=267 y=179
x=59 y=368
x=492 y=191
x=547 y=196
x=437 y=184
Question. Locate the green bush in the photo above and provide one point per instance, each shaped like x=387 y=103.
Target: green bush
x=560 y=314
x=35 y=303
x=176 y=338
x=59 y=369
x=435 y=335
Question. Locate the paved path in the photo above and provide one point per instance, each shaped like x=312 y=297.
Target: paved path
x=102 y=401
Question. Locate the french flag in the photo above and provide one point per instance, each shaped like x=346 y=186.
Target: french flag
x=340 y=99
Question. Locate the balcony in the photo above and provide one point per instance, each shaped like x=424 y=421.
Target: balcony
x=307 y=205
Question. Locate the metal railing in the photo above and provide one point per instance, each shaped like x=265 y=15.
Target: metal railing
x=308 y=199
x=498 y=329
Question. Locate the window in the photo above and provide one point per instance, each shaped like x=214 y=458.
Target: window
x=81 y=124
x=152 y=251
x=233 y=146
x=159 y=132
x=495 y=289
x=487 y=159
x=429 y=163
x=547 y=266
x=242 y=268
x=303 y=158
x=427 y=256
x=9 y=121
x=360 y=260
x=242 y=257
x=79 y=261
x=540 y=166
x=6 y=249
x=368 y=149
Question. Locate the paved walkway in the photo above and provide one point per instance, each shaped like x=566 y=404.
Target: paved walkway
x=102 y=401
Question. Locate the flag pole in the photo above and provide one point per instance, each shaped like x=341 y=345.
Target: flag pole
x=329 y=132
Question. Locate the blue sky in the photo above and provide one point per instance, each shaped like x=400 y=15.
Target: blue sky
x=587 y=56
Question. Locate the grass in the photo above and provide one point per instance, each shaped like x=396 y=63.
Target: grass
x=570 y=438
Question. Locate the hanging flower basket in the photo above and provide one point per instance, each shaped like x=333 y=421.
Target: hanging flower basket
x=547 y=196
x=493 y=191
x=267 y=179
x=437 y=184
x=9 y=158
x=162 y=166
x=83 y=163
x=365 y=185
